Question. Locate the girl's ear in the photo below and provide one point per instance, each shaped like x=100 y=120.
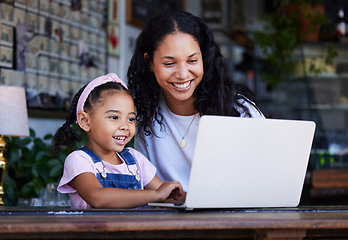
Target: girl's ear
x=82 y=121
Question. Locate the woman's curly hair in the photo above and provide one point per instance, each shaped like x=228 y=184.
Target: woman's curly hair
x=216 y=94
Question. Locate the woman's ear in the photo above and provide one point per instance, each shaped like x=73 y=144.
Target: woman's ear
x=146 y=57
x=82 y=121
x=147 y=61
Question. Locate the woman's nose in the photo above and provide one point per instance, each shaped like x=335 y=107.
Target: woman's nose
x=183 y=71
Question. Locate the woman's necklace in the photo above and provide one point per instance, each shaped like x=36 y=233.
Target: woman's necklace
x=183 y=141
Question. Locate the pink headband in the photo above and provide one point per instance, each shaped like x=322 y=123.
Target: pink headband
x=111 y=77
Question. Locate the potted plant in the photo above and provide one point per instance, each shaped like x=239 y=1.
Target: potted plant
x=31 y=165
x=293 y=23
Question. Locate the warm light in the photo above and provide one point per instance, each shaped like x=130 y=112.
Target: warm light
x=13 y=122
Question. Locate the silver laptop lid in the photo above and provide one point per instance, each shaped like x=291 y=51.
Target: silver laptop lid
x=245 y=162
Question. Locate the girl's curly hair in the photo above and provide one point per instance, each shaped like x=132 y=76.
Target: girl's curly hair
x=66 y=135
x=216 y=94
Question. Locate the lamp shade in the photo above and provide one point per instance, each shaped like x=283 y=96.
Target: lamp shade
x=13 y=111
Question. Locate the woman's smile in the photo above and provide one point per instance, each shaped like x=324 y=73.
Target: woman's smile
x=183 y=85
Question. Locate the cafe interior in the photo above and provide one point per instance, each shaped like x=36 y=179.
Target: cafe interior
x=292 y=54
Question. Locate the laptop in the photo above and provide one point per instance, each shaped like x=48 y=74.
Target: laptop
x=248 y=163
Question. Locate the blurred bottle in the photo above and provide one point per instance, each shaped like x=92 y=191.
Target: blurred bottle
x=49 y=195
x=340 y=24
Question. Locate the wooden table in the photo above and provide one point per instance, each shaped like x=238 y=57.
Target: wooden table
x=292 y=223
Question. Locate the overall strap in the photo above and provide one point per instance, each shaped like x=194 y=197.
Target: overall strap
x=127 y=156
x=115 y=180
x=94 y=156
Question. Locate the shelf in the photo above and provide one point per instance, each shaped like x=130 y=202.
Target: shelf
x=50 y=114
x=325 y=107
x=320 y=44
x=321 y=76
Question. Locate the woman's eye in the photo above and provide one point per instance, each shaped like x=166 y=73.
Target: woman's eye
x=192 y=60
x=114 y=117
x=169 y=64
x=131 y=119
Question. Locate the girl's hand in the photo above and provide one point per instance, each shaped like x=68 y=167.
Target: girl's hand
x=169 y=190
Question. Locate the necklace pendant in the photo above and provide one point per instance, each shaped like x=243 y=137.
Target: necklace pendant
x=137 y=177
x=103 y=175
x=183 y=143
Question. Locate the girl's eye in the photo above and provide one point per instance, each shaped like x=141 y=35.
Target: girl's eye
x=168 y=64
x=131 y=119
x=192 y=60
x=114 y=117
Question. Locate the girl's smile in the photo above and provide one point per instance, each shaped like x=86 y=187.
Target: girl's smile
x=121 y=140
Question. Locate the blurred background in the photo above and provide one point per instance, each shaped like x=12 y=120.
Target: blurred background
x=291 y=53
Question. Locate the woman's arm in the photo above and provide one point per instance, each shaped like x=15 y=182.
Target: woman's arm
x=90 y=189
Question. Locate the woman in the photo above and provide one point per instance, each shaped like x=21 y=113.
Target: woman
x=176 y=75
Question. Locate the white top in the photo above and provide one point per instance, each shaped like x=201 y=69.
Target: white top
x=173 y=162
x=79 y=162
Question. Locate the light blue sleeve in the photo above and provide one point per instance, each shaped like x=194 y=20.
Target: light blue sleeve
x=254 y=111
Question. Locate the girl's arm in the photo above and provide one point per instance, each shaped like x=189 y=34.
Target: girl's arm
x=90 y=189
x=177 y=195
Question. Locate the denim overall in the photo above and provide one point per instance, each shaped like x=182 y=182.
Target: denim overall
x=115 y=180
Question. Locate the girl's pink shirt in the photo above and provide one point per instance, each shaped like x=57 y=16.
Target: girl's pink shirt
x=79 y=162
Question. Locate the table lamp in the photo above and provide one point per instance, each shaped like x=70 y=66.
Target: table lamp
x=13 y=122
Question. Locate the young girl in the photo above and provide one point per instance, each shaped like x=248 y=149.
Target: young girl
x=176 y=75
x=105 y=174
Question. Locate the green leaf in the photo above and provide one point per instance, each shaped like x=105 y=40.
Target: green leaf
x=9 y=184
x=32 y=133
x=35 y=173
x=54 y=162
x=21 y=142
x=39 y=143
x=48 y=137
x=38 y=186
x=56 y=171
x=27 y=190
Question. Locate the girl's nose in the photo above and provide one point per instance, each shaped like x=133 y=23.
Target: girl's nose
x=124 y=126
